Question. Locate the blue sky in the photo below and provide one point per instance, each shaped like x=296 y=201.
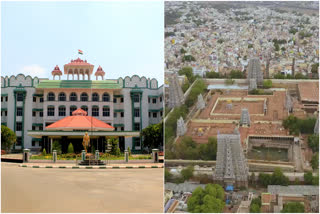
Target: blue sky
x=125 y=38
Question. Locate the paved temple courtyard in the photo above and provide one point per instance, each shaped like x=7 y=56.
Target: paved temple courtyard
x=80 y=190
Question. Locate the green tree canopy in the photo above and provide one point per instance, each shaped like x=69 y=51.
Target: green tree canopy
x=70 y=148
x=187 y=173
x=293 y=207
x=152 y=136
x=8 y=138
x=208 y=200
x=308 y=177
x=313 y=142
x=315 y=161
x=267 y=83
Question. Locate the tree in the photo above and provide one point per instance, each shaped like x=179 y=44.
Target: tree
x=315 y=180
x=315 y=161
x=208 y=200
x=308 y=177
x=278 y=178
x=115 y=150
x=236 y=74
x=188 y=72
x=315 y=68
x=187 y=173
x=8 y=138
x=254 y=208
x=276 y=47
x=299 y=76
x=293 y=207
x=313 y=142
x=208 y=151
x=264 y=179
x=183 y=51
x=70 y=148
x=267 y=83
x=152 y=136
x=57 y=146
x=167 y=175
x=44 y=152
x=213 y=74
x=188 y=58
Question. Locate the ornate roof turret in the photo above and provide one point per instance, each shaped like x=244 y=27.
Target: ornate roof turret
x=56 y=72
x=99 y=72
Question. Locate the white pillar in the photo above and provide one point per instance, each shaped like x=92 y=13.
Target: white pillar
x=51 y=140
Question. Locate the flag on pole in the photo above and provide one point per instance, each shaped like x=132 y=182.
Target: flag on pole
x=80 y=52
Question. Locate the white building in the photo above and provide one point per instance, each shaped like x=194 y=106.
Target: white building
x=29 y=104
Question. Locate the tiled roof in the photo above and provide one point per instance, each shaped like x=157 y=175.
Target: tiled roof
x=79 y=122
x=309 y=91
x=103 y=84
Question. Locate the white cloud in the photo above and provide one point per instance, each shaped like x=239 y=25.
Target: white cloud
x=33 y=71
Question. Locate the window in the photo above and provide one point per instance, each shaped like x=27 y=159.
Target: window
x=121 y=100
x=73 y=96
x=84 y=97
x=136 y=112
x=19 y=141
x=122 y=128
x=1 y=99
x=122 y=114
x=106 y=97
x=72 y=109
x=19 y=97
x=106 y=111
x=160 y=99
x=95 y=97
x=154 y=114
x=136 y=98
x=62 y=111
x=41 y=99
x=84 y=108
x=136 y=141
x=6 y=99
x=34 y=99
x=114 y=114
x=161 y=113
x=50 y=111
x=18 y=126
x=149 y=114
x=62 y=96
x=33 y=128
x=34 y=114
x=41 y=128
x=51 y=96
x=41 y=113
x=19 y=111
x=154 y=100
x=33 y=143
x=114 y=100
x=136 y=126
x=148 y=100
x=95 y=111
x=5 y=113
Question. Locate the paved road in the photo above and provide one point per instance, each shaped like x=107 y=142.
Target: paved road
x=80 y=190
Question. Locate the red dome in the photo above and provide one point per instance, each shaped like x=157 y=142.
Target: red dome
x=99 y=72
x=56 y=71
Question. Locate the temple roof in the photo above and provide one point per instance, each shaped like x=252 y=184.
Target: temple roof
x=78 y=62
x=80 y=121
x=56 y=71
x=99 y=72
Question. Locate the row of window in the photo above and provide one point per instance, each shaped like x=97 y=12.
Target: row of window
x=35 y=99
x=4 y=98
x=154 y=100
x=83 y=97
x=155 y=114
x=94 y=110
x=4 y=113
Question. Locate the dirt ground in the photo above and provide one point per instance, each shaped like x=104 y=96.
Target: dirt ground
x=82 y=190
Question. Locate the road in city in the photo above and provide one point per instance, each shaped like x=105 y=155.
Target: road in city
x=80 y=190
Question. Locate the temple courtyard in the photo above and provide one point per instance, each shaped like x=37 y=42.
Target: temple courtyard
x=80 y=190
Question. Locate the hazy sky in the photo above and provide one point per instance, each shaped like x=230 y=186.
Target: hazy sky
x=125 y=38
